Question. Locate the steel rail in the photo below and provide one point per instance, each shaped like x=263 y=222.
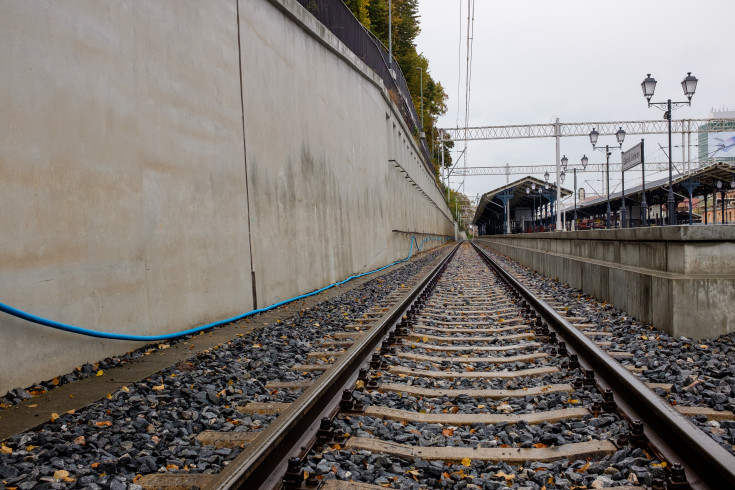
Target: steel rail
x=706 y=463
x=264 y=461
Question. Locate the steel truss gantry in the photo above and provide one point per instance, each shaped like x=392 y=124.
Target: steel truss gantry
x=541 y=168
x=522 y=131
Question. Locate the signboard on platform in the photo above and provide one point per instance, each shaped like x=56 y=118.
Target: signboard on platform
x=721 y=144
x=633 y=157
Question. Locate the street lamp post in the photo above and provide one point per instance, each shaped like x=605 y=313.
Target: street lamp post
x=532 y=193
x=622 y=197
x=390 y=38
x=564 y=162
x=689 y=85
x=584 y=166
x=723 y=191
x=546 y=186
x=644 y=205
x=620 y=135
x=562 y=175
x=421 y=78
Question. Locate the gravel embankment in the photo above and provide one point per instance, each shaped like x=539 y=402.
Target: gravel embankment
x=150 y=426
x=702 y=373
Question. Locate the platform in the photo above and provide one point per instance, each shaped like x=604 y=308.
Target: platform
x=680 y=279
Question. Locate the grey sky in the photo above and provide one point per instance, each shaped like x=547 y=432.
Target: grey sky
x=581 y=61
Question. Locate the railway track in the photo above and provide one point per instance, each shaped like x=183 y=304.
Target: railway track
x=694 y=377
x=461 y=377
x=472 y=381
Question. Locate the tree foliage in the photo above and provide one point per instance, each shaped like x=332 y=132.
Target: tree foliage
x=373 y=14
x=456 y=201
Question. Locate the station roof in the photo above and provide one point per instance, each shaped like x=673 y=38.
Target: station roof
x=657 y=190
x=491 y=204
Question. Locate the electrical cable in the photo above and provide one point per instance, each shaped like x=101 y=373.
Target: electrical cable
x=151 y=338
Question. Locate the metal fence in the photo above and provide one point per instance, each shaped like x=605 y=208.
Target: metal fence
x=340 y=21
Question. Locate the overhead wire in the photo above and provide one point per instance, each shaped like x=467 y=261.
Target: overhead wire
x=459 y=61
x=468 y=69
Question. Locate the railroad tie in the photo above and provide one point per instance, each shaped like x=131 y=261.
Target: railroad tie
x=475 y=393
x=550 y=416
x=425 y=373
x=571 y=452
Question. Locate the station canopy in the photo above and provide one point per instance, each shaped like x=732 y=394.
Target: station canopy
x=491 y=208
x=702 y=180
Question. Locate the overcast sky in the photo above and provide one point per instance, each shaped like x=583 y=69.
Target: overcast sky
x=580 y=61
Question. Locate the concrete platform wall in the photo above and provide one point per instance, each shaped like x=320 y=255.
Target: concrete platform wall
x=680 y=279
x=133 y=195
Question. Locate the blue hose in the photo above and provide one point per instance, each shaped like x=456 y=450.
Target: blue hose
x=152 y=338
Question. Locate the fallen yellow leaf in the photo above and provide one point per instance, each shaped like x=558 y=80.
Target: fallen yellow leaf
x=100 y=373
x=54 y=417
x=502 y=474
x=158 y=388
x=467 y=462
x=60 y=474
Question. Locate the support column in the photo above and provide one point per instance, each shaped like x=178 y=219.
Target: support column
x=558 y=163
x=705 y=205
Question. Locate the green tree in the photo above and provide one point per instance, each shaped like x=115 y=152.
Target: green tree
x=360 y=9
x=373 y=14
x=378 y=14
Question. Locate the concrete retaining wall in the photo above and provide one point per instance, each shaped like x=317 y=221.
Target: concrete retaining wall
x=680 y=279
x=155 y=160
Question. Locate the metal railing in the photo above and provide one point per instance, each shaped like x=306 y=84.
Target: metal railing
x=340 y=21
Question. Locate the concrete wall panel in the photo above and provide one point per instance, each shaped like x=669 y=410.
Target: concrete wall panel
x=130 y=189
x=320 y=172
x=680 y=279
x=122 y=168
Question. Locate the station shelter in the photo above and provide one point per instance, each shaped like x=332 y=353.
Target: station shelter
x=526 y=205
x=706 y=195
